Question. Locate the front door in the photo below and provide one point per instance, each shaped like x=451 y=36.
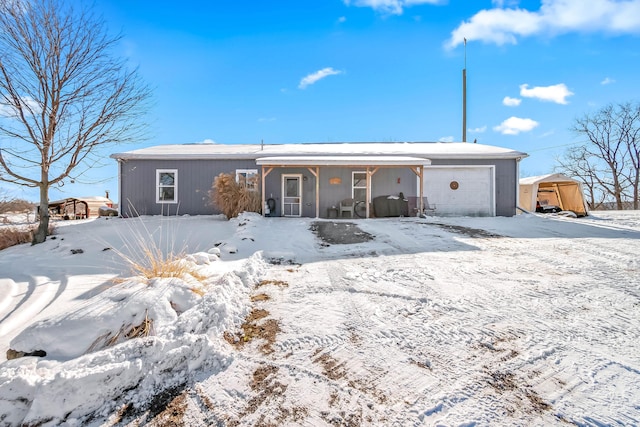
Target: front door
x=291 y=195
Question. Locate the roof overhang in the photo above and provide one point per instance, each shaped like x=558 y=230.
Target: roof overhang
x=291 y=161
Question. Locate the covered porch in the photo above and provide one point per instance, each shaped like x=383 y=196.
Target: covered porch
x=370 y=165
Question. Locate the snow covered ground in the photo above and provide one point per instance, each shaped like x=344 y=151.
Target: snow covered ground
x=531 y=320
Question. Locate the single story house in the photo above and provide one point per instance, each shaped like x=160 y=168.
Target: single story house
x=311 y=180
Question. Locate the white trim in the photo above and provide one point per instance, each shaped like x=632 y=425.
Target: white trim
x=283 y=180
x=353 y=187
x=175 y=186
x=247 y=172
x=342 y=161
x=492 y=171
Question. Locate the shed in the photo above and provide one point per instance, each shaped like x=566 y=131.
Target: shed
x=78 y=208
x=553 y=190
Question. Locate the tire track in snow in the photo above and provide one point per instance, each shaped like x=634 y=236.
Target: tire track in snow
x=595 y=315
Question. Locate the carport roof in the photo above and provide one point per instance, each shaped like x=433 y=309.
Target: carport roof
x=343 y=161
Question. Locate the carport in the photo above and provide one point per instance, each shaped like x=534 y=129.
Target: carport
x=553 y=190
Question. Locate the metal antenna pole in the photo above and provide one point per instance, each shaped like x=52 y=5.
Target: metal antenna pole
x=464 y=94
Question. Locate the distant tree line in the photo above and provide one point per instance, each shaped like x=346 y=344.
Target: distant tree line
x=607 y=160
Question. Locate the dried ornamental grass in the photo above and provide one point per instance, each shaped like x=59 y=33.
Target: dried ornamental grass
x=233 y=198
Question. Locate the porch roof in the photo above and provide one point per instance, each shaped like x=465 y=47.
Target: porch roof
x=343 y=161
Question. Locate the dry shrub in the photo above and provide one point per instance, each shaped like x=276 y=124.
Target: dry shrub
x=11 y=236
x=144 y=329
x=15 y=205
x=233 y=198
x=154 y=263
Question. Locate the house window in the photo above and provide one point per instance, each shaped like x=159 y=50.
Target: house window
x=359 y=189
x=166 y=186
x=247 y=178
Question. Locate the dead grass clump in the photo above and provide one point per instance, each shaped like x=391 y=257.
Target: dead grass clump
x=126 y=332
x=12 y=236
x=233 y=197
x=272 y=282
x=155 y=263
x=151 y=262
x=260 y=297
x=254 y=327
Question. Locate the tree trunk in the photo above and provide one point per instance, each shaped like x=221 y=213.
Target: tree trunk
x=43 y=227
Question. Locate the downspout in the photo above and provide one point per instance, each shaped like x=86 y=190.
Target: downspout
x=495 y=199
x=119 y=188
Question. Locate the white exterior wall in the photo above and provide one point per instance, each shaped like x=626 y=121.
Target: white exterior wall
x=475 y=195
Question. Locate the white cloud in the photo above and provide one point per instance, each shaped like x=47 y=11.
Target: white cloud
x=481 y=129
x=206 y=141
x=29 y=105
x=511 y=102
x=555 y=93
x=503 y=3
x=505 y=26
x=342 y=19
x=447 y=139
x=515 y=125
x=266 y=119
x=607 y=81
x=393 y=7
x=318 y=75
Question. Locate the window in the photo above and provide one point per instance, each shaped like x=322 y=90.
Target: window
x=247 y=178
x=359 y=190
x=166 y=186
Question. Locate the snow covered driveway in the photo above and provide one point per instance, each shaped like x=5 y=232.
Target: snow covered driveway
x=454 y=322
x=460 y=321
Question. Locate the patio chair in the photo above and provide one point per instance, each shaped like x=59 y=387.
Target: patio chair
x=346 y=205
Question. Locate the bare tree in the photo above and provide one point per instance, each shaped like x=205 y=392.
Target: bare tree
x=629 y=118
x=579 y=163
x=609 y=157
x=63 y=94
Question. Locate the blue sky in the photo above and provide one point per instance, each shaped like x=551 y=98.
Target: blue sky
x=239 y=72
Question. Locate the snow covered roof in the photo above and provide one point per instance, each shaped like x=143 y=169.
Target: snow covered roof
x=552 y=177
x=92 y=199
x=342 y=161
x=430 y=150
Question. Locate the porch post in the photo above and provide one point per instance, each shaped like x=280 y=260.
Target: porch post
x=368 y=193
x=264 y=176
x=264 y=200
x=421 y=177
x=316 y=173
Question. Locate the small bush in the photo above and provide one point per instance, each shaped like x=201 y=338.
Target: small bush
x=15 y=205
x=233 y=198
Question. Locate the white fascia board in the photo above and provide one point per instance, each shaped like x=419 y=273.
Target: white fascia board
x=342 y=161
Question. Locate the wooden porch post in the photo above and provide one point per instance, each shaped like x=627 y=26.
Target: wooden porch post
x=264 y=176
x=316 y=173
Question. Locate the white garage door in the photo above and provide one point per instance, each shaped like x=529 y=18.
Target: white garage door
x=460 y=190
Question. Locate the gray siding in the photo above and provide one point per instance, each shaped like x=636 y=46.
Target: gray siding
x=195 y=177
x=506 y=181
x=383 y=182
